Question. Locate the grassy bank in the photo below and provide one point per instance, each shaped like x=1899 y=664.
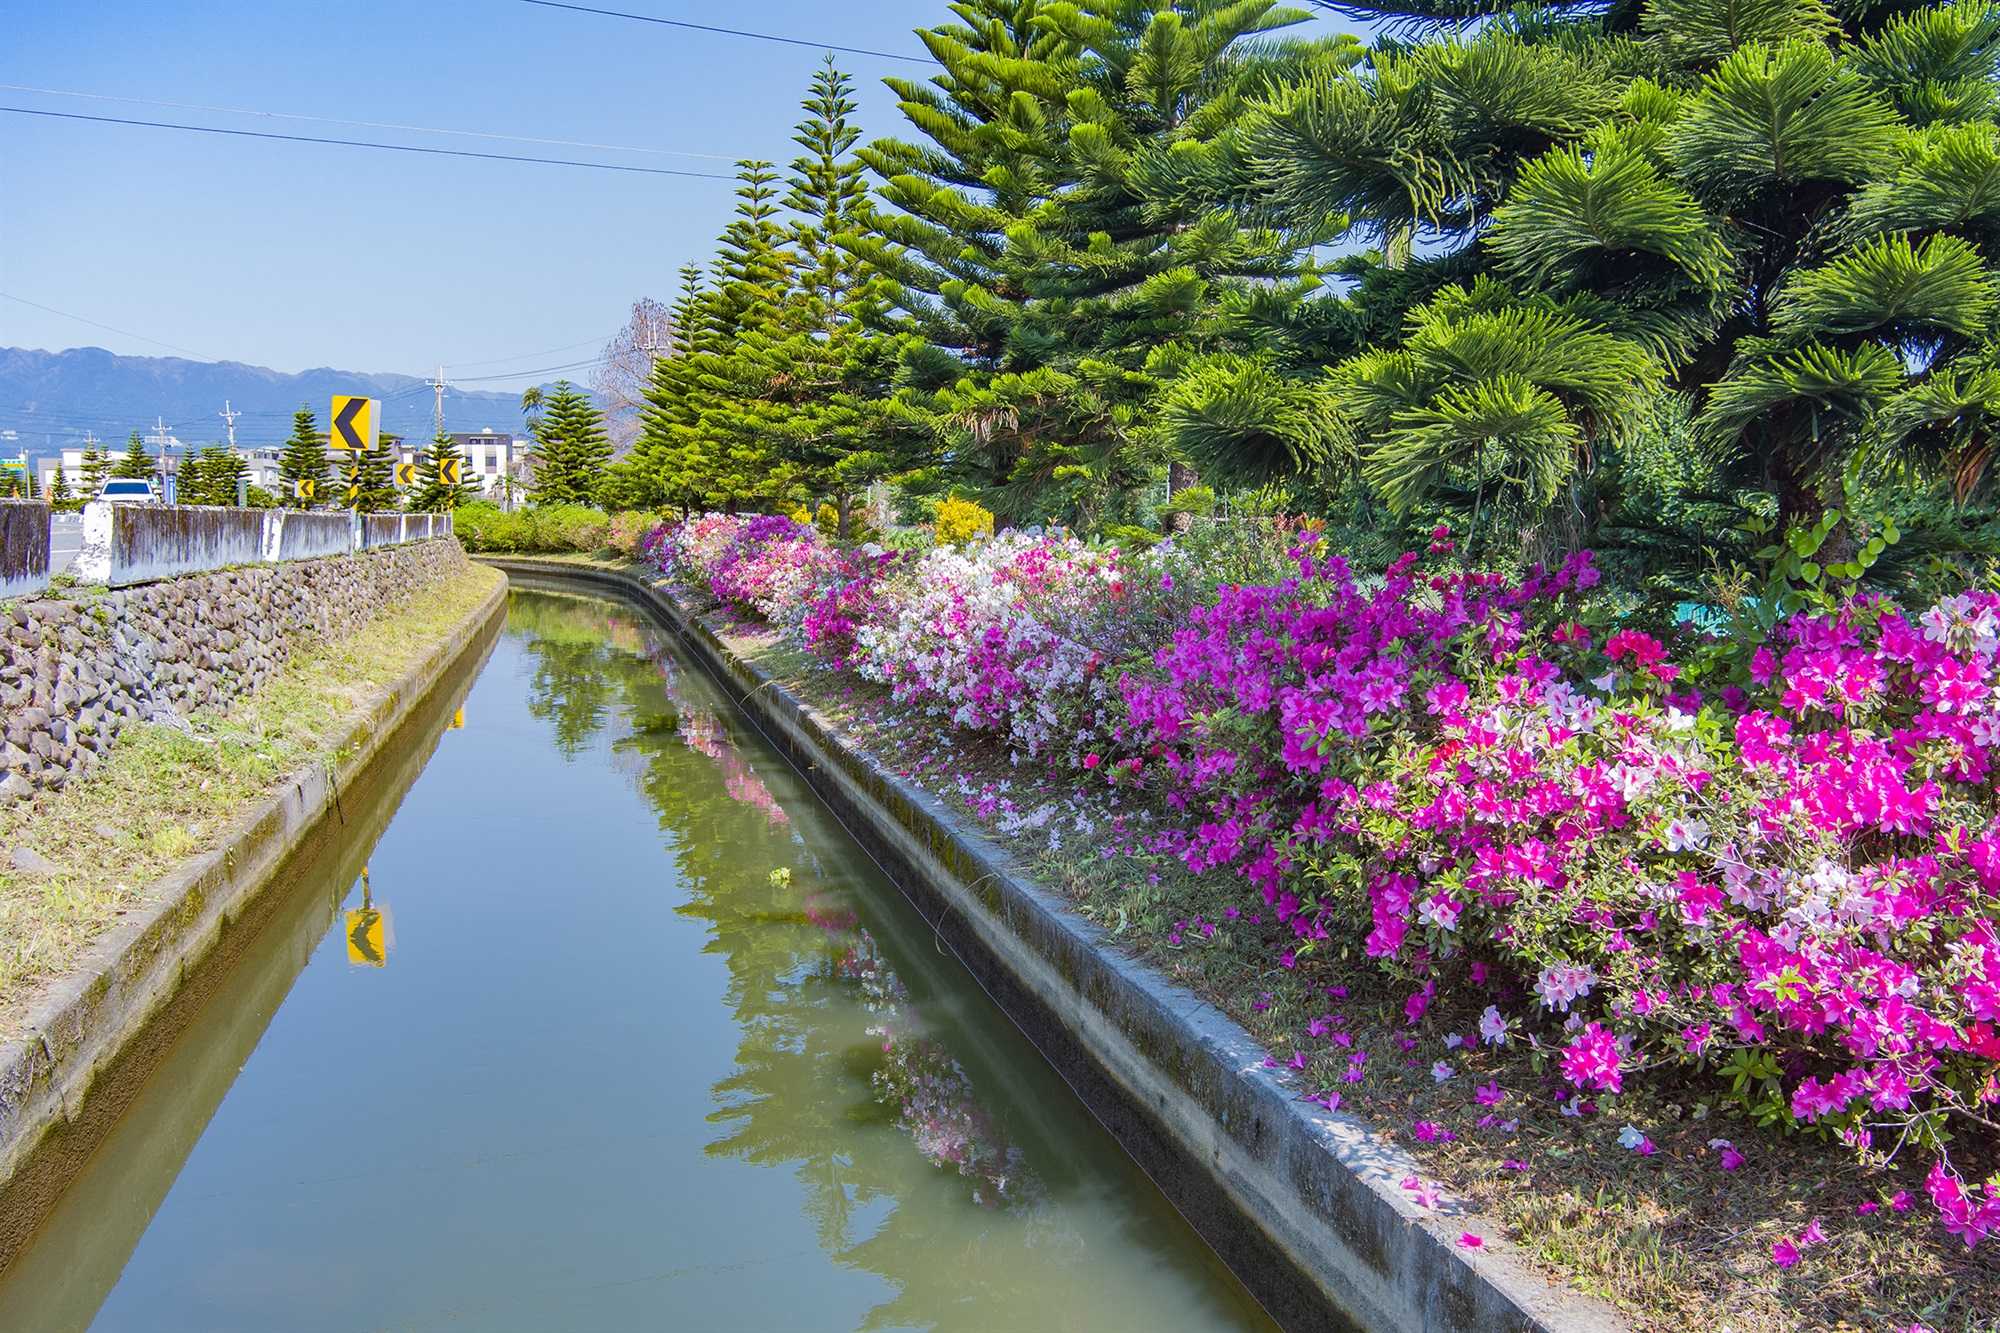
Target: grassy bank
x=76 y=859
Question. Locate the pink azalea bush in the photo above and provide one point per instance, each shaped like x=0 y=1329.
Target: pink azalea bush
x=1793 y=885
x=1011 y=635
x=1773 y=861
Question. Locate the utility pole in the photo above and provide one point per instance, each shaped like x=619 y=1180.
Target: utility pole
x=438 y=385
x=161 y=438
x=229 y=416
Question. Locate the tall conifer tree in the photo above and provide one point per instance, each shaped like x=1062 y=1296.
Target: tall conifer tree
x=303 y=459
x=1052 y=245
x=823 y=373
x=571 y=449
x=434 y=494
x=96 y=467
x=135 y=463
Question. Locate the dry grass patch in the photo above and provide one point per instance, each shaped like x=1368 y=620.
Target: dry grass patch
x=72 y=861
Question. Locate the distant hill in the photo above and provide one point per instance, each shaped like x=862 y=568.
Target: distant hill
x=49 y=399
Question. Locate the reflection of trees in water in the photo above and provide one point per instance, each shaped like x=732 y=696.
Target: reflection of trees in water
x=574 y=670
x=837 y=1076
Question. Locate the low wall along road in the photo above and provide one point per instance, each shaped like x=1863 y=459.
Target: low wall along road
x=141 y=543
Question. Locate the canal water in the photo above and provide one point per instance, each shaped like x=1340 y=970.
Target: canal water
x=607 y=1024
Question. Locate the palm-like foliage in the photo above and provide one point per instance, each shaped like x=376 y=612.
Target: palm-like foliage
x=1787 y=210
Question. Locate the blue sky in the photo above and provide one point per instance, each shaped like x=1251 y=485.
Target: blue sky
x=295 y=255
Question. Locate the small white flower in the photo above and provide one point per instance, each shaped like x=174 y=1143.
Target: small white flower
x=1492 y=1027
x=1629 y=1137
x=1442 y=1071
x=1453 y=1041
x=1686 y=835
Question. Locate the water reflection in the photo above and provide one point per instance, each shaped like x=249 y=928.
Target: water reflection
x=853 y=1072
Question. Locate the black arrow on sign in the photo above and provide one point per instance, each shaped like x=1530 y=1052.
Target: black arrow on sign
x=343 y=424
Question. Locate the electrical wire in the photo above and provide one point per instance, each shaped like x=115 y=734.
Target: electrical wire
x=360 y=124
x=358 y=143
x=106 y=327
x=524 y=374
x=731 y=32
x=529 y=356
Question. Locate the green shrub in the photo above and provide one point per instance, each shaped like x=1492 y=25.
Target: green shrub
x=534 y=530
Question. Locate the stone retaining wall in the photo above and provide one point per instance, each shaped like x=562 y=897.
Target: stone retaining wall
x=76 y=670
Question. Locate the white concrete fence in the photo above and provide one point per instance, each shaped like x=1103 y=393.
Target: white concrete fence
x=138 y=543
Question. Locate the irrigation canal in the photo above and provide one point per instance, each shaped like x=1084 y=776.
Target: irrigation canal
x=606 y=1022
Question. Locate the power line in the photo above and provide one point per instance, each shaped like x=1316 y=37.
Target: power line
x=523 y=374
x=106 y=327
x=529 y=356
x=358 y=143
x=362 y=124
x=731 y=32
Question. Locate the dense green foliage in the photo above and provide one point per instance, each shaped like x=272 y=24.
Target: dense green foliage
x=210 y=477
x=1652 y=278
x=531 y=530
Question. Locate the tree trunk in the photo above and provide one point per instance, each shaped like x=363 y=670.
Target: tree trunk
x=1798 y=499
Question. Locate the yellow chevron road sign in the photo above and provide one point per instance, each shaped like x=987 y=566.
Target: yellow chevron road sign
x=354 y=422
x=450 y=470
x=304 y=489
x=406 y=474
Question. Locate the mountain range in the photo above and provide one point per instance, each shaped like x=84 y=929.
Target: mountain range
x=48 y=400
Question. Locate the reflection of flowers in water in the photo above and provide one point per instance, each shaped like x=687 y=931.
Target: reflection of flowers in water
x=936 y=1103
x=701 y=730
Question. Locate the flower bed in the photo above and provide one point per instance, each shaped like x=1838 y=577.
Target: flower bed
x=1767 y=866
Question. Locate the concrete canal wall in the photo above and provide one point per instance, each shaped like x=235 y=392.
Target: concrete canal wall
x=92 y=1039
x=1305 y=1206
x=124 y=544
x=76 y=669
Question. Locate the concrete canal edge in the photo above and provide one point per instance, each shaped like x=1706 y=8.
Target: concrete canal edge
x=1305 y=1206
x=99 y=1020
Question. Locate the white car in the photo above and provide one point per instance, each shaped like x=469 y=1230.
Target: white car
x=130 y=491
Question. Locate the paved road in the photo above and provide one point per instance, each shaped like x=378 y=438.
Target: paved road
x=65 y=539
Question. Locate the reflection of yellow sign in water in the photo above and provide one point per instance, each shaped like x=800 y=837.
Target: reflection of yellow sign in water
x=365 y=937
x=369 y=932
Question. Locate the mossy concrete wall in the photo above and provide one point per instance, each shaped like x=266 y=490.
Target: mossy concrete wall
x=1304 y=1205
x=24 y=547
x=299 y=534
